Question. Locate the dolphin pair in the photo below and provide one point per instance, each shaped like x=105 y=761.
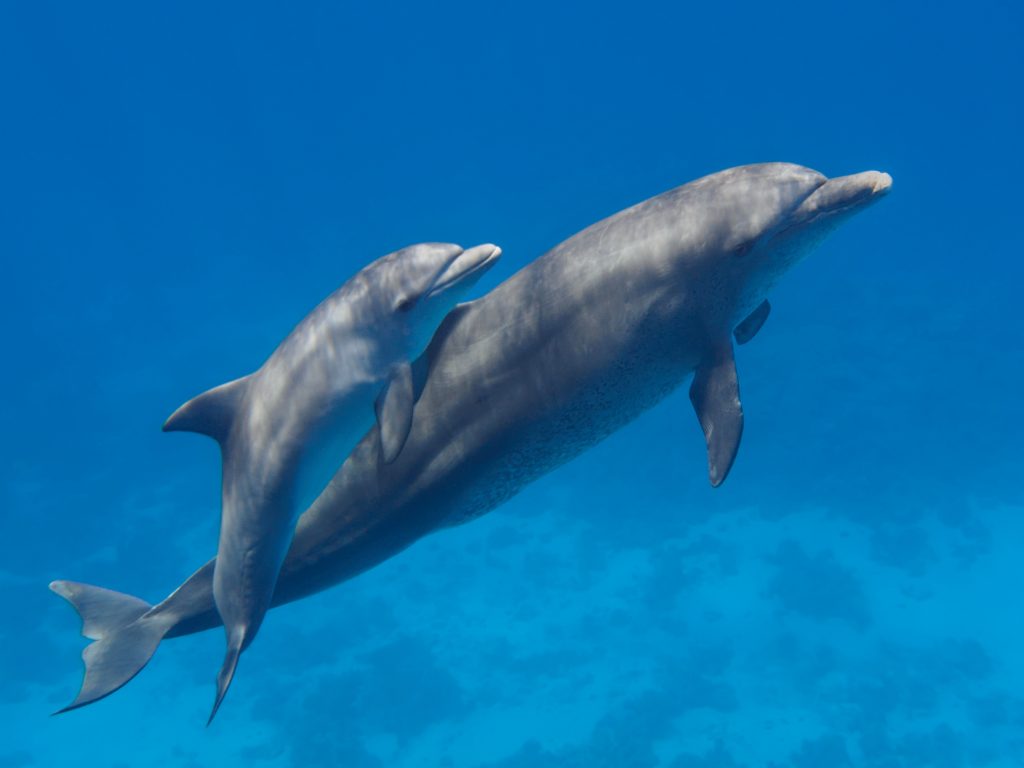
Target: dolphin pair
x=285 y=429
x=512 y=385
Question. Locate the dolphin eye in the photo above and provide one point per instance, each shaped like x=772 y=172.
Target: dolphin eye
x=743 y=248
x=404 y=304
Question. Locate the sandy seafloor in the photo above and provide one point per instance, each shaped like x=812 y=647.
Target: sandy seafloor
x=181 y=186
x=540 y=637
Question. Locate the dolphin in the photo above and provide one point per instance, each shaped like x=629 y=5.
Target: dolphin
x=518 y=382
x=285 y=429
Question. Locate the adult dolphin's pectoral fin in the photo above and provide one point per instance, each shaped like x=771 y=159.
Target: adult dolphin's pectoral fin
x=748 y=329
x=394 y=411
x=715 y=394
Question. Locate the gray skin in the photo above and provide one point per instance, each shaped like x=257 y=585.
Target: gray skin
x=514 y=384
x=285 y=429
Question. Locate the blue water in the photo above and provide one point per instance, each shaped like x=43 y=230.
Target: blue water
x=181 y=184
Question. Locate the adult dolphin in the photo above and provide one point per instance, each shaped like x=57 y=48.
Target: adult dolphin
x=286 y=428
x=516 y=383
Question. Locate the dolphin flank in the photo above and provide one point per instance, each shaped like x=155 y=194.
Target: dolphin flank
x=556 y=358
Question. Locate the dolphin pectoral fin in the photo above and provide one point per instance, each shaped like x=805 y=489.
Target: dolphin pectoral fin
x=394 y=412
x=210 y=413
x=748 y=329
x=715 y=394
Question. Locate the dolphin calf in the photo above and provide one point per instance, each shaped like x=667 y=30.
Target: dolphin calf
x=520 y=381
x=285 y=429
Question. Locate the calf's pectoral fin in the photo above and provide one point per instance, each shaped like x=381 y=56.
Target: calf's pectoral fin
x=748 y=329
x=715 y=394
x=210 y=413
x=394 y=411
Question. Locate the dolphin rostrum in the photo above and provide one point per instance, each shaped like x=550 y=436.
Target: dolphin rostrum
x=285 y=429
x=520 y=381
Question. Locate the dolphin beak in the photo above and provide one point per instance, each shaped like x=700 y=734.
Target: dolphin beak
x=844 y=194
x=465 y=269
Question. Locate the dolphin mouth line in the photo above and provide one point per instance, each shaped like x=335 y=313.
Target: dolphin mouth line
x=467 y=264
x=837 y=196
x=845 y=193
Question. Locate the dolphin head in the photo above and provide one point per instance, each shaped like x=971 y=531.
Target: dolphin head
x=804 y=226
x=759 y=220
x=427 y=280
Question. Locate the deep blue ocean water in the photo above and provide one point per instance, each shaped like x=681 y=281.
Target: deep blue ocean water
x=180 y=184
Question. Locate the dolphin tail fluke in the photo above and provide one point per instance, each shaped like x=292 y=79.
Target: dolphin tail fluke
x=225 y=676
x=124 y=638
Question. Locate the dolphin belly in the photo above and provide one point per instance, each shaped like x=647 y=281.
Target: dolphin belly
x=330 y=443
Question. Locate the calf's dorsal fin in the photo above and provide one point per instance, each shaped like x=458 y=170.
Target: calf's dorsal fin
x=210 y=413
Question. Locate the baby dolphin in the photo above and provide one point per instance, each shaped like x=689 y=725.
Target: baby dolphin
x=285 y=429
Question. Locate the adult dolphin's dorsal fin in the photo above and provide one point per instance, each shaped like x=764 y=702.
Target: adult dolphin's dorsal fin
x=748 y=329
x=210 y=413
x=394 y=411
x=715 y=394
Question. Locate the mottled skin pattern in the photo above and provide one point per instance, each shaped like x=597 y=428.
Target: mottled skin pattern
x=555 y=359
